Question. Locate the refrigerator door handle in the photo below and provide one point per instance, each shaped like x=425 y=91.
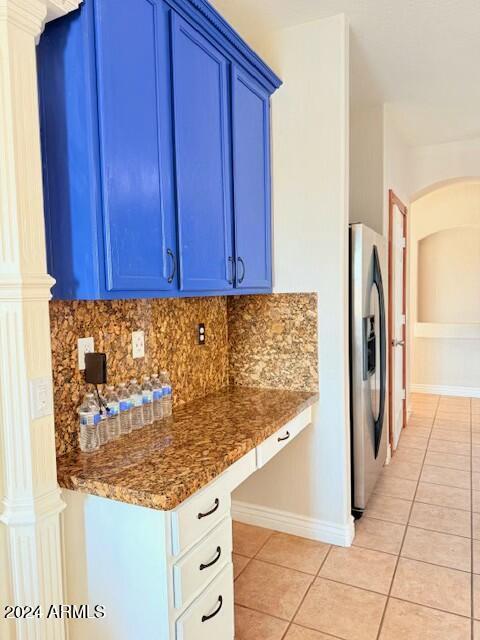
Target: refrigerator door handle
x=377 y=280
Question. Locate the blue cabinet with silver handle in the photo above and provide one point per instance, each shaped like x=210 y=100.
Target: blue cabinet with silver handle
x=155 y=121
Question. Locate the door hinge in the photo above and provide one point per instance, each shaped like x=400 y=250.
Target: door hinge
x=403 y=243
x=404 y=319
x=404 y=394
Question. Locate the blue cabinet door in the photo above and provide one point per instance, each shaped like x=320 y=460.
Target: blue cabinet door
x=251 y=175
x=203 y=163
x=134 y=97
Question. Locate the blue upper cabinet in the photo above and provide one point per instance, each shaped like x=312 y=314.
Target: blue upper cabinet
x=202 y=151
x=251 y=176
x=155 y=141
x=108 y=151
x=135 y=145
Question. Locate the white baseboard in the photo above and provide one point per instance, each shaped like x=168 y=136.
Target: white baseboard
x=286 y=522
x=444 y=390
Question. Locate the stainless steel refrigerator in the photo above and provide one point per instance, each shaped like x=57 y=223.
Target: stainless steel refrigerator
x=368 y=361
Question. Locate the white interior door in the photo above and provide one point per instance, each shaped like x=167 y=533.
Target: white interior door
x=398 y=333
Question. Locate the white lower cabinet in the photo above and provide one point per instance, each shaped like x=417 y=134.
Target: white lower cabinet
x=210 y=617
x=160 y=575
x=279 y=440
x=199 y=514
x=198 y=567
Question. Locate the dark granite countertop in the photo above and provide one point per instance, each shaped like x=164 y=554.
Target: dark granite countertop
x=162 y=465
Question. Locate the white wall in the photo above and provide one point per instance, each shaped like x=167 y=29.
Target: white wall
x=366 y=166
x=448 y=283
x=446 y=351
x=379 y=160
x=311 y=478
x=397 y=164
x=443 y=162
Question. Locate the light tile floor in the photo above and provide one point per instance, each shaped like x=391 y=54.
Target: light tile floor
x=413 y=572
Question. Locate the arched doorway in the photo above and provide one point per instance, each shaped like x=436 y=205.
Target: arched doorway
x=444 y=298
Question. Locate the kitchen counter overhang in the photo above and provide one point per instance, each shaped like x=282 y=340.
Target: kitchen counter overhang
x=162 y=465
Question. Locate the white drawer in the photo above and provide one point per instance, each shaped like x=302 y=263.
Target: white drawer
x=210 y=617
x=200 y=565
x=200 y=513
x=282 y=437
x=239 y=471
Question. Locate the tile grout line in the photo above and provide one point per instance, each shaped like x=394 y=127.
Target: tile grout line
x=313 y=576
x=389 y=595
x=306 y=594
x=283 y=566
x=429 y=504
x=243 y=568
x=254 y=557
x=264 y=544
x=290 y=623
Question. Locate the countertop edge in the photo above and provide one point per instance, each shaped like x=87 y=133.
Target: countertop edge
x=166 y=501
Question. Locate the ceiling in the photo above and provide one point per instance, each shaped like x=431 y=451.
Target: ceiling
x=421 y=56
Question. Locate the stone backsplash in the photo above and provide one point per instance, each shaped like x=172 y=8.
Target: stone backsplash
x=265 y=341
x=273 y=341
x=170 y=343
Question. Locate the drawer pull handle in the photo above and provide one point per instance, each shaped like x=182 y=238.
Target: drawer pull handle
x=209 y=513
x=217 y=610
x=284 y=437
x=214 y=561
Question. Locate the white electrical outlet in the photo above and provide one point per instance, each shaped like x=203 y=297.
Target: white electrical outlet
x=41 y=398
x=85 y=345
x=138 y=344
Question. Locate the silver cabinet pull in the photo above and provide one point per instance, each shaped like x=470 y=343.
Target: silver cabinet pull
x=174 y=266
x=242 y=277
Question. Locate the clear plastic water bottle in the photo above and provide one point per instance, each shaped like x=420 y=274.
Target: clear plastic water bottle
x=136 y=399
x=157 y=397
x=89 y=417
x=147 y=398
x=113 y=405
x=166 y=394
x=103 y=424
x=125 y=409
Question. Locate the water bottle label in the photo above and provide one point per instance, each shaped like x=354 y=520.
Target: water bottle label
x=157 y=394
x=167 y=390
x=137 y=399
x=125 y=405
x=113 y=409
x=147 y=397
x=89 y=419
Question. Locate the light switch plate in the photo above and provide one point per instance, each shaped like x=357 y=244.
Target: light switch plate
x=138 y=344
x=41 y=398
x=85 y=345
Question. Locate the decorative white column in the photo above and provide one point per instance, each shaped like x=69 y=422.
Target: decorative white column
x=31 y=498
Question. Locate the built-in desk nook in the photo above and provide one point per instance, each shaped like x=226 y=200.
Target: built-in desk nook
x=148 y=529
